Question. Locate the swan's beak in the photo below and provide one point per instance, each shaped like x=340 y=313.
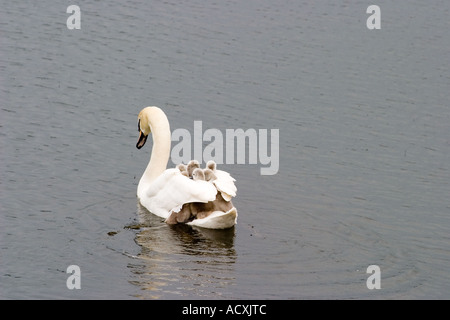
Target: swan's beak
x=142 y=140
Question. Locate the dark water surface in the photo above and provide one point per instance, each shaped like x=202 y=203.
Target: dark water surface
x=364 y=121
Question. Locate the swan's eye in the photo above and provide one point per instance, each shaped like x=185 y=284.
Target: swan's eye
x=139 y=124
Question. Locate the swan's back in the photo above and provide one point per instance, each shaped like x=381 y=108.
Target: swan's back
x=172 y=189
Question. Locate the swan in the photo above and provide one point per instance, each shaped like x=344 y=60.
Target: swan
x=163 y=191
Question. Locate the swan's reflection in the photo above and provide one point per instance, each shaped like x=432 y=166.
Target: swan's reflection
x=182 y=261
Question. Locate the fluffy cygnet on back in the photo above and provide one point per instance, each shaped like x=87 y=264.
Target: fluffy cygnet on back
x=211 y=165
x=182 y=168
x=209 y=175
x=201 y=210
x=191 y=166
x=198 y=174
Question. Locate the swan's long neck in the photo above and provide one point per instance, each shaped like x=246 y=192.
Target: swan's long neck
x=159 y=126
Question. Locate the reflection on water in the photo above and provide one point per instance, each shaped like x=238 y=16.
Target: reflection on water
x=182 y=260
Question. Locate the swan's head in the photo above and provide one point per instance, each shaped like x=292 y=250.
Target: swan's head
x=143 y=128
x=153 y=120
x=198 y=174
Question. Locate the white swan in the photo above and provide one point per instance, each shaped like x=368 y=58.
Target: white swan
x=162 y=190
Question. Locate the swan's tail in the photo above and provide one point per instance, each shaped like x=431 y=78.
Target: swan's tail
x=217 y=220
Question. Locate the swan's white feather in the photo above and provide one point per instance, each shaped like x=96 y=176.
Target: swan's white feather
x=225 y=184
x=171 y=190
x=217 y=220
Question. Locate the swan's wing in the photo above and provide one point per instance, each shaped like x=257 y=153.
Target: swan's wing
x=217 y=220
x=171 y=189
x=225 y=184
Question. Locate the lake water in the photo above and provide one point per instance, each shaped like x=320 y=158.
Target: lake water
x=364 y=141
